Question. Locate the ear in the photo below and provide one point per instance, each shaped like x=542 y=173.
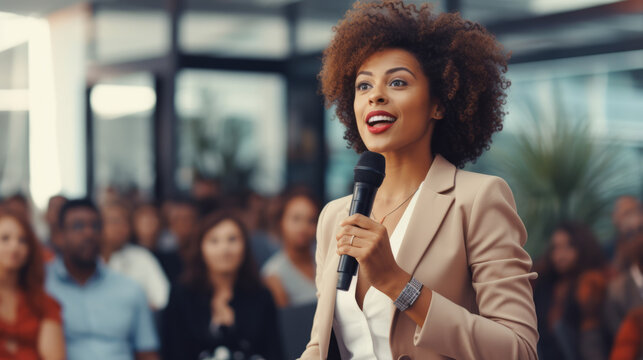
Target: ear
x=438 y=112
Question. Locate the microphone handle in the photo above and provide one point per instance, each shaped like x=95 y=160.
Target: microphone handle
x=362 y=203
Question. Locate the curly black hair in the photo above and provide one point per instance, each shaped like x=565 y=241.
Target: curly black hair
x=464 y=63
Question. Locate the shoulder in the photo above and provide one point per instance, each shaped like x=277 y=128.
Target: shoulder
x=139 y=253
x=125 y=286
x=471 y=186
x=275 y=265
x=51 y=308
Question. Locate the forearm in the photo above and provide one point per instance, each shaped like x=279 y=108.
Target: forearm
x=420 y=308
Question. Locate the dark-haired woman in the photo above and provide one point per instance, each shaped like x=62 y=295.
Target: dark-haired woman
x=220 y=305
x=30 y=320
x=569 y=296
x=290 y=273
x=442 y=271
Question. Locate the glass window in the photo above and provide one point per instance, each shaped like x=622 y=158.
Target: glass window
x=341 y=160
x=14 y=120
x=130 y=35
x=232 y=126
x=123 y=112
x=234 y=35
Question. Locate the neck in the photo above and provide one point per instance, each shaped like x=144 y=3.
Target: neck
x=8 y=280
x=298 y=255
x=404 y=174
x=79 y=273
x=222 y=280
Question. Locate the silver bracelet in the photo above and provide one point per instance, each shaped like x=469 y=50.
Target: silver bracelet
x=409 y=294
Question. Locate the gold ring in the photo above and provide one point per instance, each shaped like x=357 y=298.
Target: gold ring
x=352 y=238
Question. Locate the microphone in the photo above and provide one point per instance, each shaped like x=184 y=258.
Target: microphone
x=369 y=174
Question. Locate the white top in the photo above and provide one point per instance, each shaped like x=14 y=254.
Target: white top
x=140 y=265
x=635 y=271
x=365 y=334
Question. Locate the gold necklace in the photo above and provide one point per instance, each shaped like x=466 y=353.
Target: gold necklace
x=397 y=207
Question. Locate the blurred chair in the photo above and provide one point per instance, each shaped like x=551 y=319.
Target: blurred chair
x=296 y=322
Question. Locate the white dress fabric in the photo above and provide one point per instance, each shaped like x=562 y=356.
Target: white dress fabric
x=364 y=334
x=140 y=265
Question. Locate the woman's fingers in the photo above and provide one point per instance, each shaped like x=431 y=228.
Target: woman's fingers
x=360 y=221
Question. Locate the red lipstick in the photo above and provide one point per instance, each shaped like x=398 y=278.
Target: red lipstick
x=384 y=123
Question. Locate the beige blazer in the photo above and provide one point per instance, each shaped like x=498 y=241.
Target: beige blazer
x=464 y=242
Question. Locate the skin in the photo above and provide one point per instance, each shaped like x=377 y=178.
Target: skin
x=182 y=220
x=14 y=251
x=298 y=226
x=223 y=249
x=391 y=80
x=82 y=230
x=563 y=255
x=116 y=230
x=147 y=226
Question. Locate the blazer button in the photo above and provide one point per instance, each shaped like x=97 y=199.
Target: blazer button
x=404 y=357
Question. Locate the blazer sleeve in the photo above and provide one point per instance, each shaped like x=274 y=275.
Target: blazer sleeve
x=500 y=271
x=312 y=349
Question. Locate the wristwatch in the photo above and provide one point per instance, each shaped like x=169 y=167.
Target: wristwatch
x=409 y=294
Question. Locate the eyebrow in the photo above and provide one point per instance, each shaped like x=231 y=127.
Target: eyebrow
x=389 y=71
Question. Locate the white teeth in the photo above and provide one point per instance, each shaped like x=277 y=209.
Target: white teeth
x=378 y=118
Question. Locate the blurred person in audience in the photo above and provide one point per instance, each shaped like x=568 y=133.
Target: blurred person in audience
x=569 y=296
x=263 y=242
x=206 y=192
x=628 y=344
x=220 y=301
x=290 y=273
x=627 y=217
x=131 y=260
x=51 y=217
x=182 y=218
x=147 y=226
x=626 y=291
x=30 y=320
x=105 y=314
x=19 y=205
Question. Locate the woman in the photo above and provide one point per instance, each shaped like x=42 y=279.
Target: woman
x=569 y=295
x=30 y=320
x=444 y=245
x=220 y=303
x=133 y=261
x=290 y=273
x=147 y=226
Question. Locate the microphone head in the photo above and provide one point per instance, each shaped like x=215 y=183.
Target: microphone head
x=370 y=168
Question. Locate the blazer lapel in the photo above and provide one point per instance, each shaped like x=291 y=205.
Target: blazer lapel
x=430 y=209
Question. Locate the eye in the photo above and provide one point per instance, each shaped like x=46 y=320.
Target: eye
x=362 y=86
x=397 y=83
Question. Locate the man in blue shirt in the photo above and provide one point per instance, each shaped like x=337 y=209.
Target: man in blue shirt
x=105 y=315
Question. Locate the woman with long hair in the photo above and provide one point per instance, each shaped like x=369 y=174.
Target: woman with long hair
x=569 y=295
x=442 y=270
x=30 y=320
x=290 y=273
x=220 y=302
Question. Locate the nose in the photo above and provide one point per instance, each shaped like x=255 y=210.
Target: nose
x=377 y=97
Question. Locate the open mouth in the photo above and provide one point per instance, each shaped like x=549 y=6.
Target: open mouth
x=379 y=121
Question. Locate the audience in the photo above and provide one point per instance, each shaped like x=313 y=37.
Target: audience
x=51 y=217
x=627 y=217
x=30 y=320
x=568 y=296
x=129 y=259
x=626 y=291
x=182 y=218
x=147 y=226
x=629 y=340
x=290 y=273
x=220 y=302
x=115 y=268
x=105 y=314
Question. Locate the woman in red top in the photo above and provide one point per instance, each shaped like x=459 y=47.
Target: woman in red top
x=30 y=320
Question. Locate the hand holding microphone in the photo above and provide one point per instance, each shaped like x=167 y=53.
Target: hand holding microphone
x=369 y=174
